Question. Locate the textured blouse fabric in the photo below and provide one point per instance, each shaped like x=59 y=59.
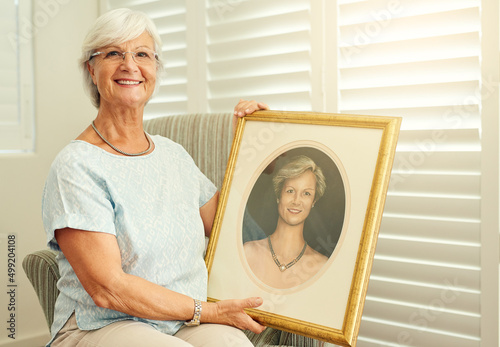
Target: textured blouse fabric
x=150 y=203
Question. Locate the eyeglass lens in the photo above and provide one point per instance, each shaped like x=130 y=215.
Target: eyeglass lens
x=140 y=57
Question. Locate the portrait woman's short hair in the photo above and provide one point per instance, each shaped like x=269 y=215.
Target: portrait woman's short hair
x=296 y=167
x=114 y=28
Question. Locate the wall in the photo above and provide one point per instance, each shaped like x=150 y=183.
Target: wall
x=62 y=111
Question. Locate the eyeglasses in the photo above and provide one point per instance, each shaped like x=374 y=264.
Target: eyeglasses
x=142 y=57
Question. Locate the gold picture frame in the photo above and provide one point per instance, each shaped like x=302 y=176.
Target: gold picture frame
x=359 y=151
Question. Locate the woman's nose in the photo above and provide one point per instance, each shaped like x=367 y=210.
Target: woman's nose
x=128 y=61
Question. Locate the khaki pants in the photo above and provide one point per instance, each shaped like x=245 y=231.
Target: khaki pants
x=130 y=333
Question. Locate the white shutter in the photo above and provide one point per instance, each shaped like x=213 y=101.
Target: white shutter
x=254 y=49
x=170 y=20
x=259 y=50
x=418 y=59
x=16 y=69
x=421 y=60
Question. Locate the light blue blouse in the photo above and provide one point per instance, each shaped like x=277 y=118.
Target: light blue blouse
x=150 y=203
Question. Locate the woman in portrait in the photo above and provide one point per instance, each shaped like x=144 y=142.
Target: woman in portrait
x=128 y=213
x=284 y=259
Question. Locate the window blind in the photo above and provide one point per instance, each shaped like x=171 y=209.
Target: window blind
x=421 y=60
x=171 y=21
x=226 y=50
x=16 y=68
x=259 y=50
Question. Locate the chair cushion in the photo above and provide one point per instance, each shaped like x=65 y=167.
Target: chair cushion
x=206 y=137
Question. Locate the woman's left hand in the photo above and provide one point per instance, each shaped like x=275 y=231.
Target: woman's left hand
x=231 y=312
x=245 y=107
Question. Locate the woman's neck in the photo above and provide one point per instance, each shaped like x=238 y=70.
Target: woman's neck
x=120 y=128
x=288 y=240
x=122 y=123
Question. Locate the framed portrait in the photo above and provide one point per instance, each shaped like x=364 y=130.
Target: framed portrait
x=298 y=219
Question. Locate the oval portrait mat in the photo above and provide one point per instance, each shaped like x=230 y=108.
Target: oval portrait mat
x=323 y=227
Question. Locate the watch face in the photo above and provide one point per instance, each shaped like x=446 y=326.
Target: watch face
x=192 y=324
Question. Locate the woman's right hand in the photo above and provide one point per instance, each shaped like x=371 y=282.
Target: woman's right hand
x=231 y=312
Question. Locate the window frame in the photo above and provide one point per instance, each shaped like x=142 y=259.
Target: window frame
x=19 y=136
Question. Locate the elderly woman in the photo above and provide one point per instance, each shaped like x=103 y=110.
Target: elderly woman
x=284 y=259
x=128 y=213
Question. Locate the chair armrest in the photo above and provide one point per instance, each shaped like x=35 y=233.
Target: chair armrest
x=43 y=272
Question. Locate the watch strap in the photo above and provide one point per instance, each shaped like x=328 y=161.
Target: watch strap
x=197 y=314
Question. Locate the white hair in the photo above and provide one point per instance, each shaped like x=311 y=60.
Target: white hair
x=113 y=28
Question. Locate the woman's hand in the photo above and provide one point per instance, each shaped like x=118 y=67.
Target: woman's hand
x=230 y=312
x=245 y=107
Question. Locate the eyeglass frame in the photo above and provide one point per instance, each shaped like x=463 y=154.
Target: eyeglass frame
x=95 y=54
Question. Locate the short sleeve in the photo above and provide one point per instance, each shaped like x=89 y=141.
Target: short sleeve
x=207 y=189
x=75 y=197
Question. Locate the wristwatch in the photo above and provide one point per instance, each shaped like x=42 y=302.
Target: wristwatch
x=197 y=314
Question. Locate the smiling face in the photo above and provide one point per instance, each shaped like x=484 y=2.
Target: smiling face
x=297 y=198
x=124 y=82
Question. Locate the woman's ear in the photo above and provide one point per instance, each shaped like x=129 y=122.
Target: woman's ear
x=91 y=71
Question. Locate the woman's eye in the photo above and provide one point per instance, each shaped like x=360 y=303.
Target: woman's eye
x=142 y=55
x=289 y=190
x=113 y=54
